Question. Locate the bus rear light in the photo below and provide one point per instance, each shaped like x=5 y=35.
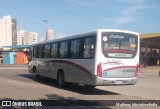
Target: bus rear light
x=99 y=70
x=136 y=72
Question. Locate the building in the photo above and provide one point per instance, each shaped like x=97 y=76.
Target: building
x=150 y=48
x=14 y=32
x=8 y=31
x=150 y=43
x=20 y=35
x=29 y=38
x=49 y=34
x=60 y=35
x=26 y=38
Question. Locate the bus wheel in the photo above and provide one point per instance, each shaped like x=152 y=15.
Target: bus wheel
x=35 y=73
x=60 y=79
x=89 y=86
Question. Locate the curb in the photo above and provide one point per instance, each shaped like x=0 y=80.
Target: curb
x=14 y=65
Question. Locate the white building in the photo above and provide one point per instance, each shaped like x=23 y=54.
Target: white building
x=49 y=34
x=30 y=38
x=8 y=31
x=20 y=35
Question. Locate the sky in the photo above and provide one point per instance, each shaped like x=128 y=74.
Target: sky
x=76 y=16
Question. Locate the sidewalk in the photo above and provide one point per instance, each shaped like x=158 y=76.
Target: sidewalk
x=149 y=69
x=13 y=65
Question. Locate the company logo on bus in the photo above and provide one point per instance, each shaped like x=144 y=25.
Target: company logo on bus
x=116 y=36
x=128 y=70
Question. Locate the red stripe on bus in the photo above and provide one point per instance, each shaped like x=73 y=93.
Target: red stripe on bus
x=72 y=64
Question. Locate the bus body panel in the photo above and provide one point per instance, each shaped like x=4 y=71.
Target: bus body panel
x=116 y=70
x=73 y=69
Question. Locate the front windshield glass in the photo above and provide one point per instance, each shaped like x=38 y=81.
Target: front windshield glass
x=119 y=45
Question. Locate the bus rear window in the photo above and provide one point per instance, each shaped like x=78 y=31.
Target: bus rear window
x=119 y=45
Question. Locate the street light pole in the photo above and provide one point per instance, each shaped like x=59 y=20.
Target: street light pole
x=45 y=21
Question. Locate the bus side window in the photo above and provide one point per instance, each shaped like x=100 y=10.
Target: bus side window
x=89 y=46
x=47 y=51
x=63 y=50
x=30 y=54
x=54 y=50
x=35 y=51
x=40 y=51
x=75 y=49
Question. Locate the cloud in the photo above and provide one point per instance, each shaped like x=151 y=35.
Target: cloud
x=131 y=1
x=137 y=7
x=118 y=13
x=130 y=11
x=119 y=22
x=124 y=20
x=89 y=3
x=81 y=2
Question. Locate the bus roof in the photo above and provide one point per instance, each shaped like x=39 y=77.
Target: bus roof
x=68 y=37
x=84 y=34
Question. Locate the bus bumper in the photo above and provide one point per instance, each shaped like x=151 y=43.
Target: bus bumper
x=114 y=81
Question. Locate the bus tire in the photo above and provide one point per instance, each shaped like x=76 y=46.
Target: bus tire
x=35 y=73
x=37 y=76
x=60 y=79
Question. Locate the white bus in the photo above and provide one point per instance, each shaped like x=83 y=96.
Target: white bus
x=102 y=57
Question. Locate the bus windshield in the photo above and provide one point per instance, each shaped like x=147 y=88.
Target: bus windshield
x=119 y=45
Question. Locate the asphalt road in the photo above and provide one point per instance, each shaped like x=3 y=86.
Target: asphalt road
x=17 y=84
x=148 y=86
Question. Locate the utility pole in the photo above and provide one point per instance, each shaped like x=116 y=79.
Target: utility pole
x=45 y=21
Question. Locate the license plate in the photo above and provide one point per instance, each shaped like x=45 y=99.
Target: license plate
x=119 y=82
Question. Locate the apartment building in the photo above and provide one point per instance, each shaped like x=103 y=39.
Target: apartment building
x=8 y=31
x=49 y=34
x=29 y=38
x=20 y=35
